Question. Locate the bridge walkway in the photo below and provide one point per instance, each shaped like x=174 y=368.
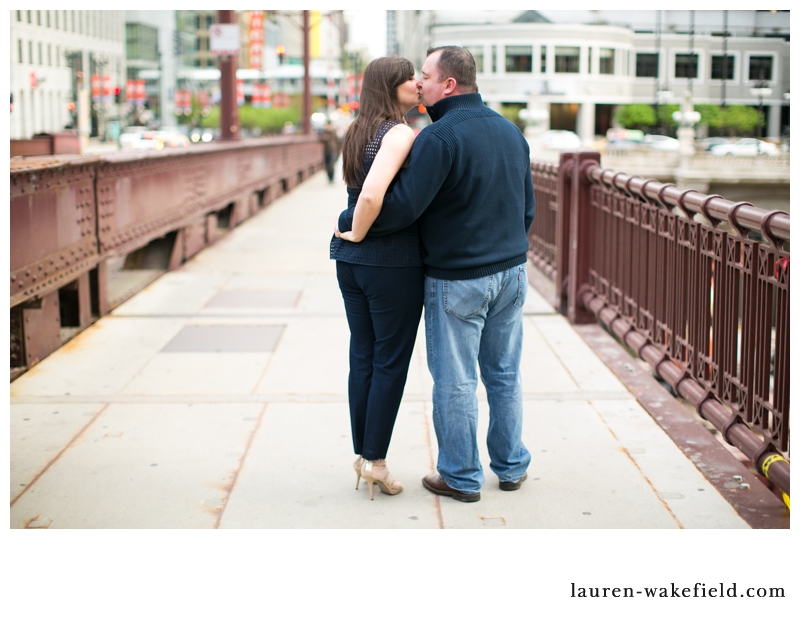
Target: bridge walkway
x=216 y=398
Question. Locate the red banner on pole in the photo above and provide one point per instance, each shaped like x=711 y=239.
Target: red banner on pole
x=95 y=87
x=107 y=87
x=256 y=39
x=255 y=100
x=130 y=90
x=240 y=92
x=140 y=93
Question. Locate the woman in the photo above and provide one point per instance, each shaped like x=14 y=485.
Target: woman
x=381 y=278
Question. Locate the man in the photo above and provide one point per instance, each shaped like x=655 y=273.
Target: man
x=468 y=180
x=331 y=147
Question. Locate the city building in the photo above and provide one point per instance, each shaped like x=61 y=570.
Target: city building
x=281 y=59
x=64 y=71
x=575 y=67
x=152 y=41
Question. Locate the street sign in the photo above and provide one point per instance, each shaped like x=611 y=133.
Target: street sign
x=224 y=39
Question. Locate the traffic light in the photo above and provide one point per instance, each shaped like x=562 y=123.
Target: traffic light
x=71 y=106
x=281 y=51
x=118 y=96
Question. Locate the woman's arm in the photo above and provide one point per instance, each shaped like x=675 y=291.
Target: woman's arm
x=394 y=150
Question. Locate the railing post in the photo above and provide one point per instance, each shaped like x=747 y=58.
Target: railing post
x=580 y=236
x=561 y=276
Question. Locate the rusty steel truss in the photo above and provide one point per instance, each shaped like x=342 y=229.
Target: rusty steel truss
x=696 y=285
x=70 y=214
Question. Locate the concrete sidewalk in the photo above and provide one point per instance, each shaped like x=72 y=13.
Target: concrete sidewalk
x=217 y=397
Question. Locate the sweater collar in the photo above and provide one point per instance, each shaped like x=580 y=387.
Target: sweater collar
x=456 y=102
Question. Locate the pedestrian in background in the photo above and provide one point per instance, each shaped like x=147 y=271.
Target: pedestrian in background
x=331 y=146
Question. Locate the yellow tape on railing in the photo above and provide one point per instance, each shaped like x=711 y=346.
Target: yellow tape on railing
x=765 y=469
x=768 y=462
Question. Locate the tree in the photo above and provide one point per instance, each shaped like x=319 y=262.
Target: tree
x=710 y=115
x=740 y=120
x=665 y=113
x=636 y=116
x=268 y=120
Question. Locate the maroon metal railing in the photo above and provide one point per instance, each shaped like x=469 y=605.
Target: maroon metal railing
x=697 y=285
x=70 y=214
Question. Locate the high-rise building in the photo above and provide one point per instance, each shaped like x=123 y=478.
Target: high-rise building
x=65 y=67
x=577 y=66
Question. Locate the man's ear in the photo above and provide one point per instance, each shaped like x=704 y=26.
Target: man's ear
x=451 y=87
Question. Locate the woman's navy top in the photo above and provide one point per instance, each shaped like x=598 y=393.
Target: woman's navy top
x=400 y=249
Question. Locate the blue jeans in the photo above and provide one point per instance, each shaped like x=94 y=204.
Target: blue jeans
x=471 y=323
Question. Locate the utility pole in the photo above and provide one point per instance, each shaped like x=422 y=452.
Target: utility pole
x=306 y=77
x=229 y=108
x=724 y=54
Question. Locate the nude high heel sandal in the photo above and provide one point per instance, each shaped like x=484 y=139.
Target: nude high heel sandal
x=387 y=484
x=357 y=465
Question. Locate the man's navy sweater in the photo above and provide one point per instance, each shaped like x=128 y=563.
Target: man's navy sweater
x=468 y=180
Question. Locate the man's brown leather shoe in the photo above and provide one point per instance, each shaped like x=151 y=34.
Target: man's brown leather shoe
x=434 y=483
x=510 y=486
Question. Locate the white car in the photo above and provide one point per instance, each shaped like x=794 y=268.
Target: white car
x=559 y=139
x=746 y=146
x=132 y=137
x=663 y=143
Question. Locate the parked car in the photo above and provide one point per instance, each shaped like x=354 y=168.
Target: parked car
x=709 y=143
x=171 y=137
x=559 y=139
x=663 y=143
x=746 y=146
x=130 y=137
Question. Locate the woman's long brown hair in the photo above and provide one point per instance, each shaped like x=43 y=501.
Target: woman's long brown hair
x=378 y=103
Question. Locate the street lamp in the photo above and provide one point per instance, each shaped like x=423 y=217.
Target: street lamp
x=686 y=118
x=760 y=90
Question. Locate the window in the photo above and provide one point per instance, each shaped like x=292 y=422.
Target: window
x=30 y=52
x=722 y=67
x=19 y=16
x=197 y=22
x=477 y=54
x=49 y=54
x=494 y=59
x=38 y=18
x=73 y=21
x=30 y=17
x=760 y=68
x=19 y=51
x=40 y=53
x=519 y=58
x=55 y=18
x=686 y=66
x=543 y=61
x=209 y=21
x=58 y=55
x=589 y=60
x=567 y=59
x=80 y=22
x=606 y=61
x=646 y=65
x=47 y=15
